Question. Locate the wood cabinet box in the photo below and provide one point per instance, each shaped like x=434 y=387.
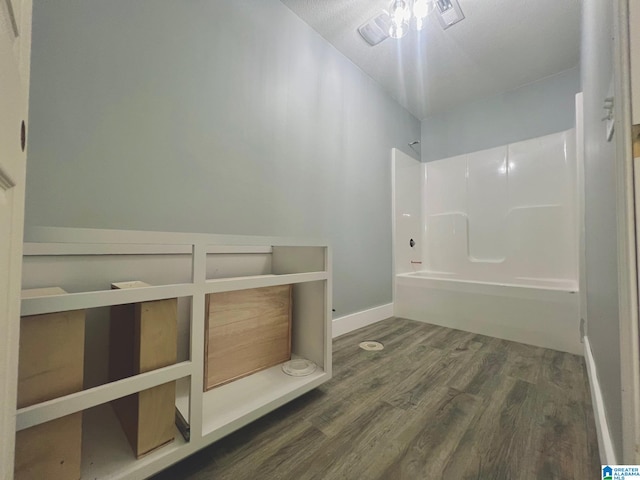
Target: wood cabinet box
x=50 y=365
x=143 y=337
x=246 y=331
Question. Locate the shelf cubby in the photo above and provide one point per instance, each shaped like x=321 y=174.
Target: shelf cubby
x=186 y=266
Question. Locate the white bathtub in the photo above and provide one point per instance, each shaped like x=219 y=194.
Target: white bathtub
x=542 y=312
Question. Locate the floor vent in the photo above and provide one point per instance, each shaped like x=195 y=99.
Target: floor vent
x=371 y=346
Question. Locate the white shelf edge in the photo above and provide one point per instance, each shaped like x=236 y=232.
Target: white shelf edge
x=236 y=249
x=115 y=461
x=111 y=457
x=105 y=298
x=256 y=281
x=231 y=406
x=106 y=452
x=90 y=235
x=102 y=298
x=76 y=402
x=32 y=249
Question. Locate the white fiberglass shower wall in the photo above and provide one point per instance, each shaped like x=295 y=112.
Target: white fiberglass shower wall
x=499 y=228
x=505 y=215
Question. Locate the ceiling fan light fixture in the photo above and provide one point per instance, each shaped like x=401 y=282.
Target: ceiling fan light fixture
x=402 y=13
x=422 y=8
x=398 y=31
x=399 y=12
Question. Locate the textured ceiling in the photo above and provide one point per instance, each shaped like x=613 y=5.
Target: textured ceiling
x=499 y=46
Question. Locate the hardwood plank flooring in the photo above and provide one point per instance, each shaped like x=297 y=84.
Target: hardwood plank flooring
x=436 y=403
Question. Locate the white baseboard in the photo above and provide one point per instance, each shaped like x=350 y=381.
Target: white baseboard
x=605 y=445
x=348 y=323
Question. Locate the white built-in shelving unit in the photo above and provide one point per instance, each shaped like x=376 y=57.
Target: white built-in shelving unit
x=84 y=262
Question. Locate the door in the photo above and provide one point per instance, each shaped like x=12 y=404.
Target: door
x=15 y=47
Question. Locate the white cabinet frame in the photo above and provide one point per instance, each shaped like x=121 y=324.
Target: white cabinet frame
x=304 y=263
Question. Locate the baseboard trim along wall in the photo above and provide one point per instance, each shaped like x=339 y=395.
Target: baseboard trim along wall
x=605 y=445
x=348 y=323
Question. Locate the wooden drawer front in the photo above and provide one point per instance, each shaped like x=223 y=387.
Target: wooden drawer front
x=50 y=365
x=51 y=356
x=246 y=331
x=51 y=359
x=143 y=337
x=51 y=450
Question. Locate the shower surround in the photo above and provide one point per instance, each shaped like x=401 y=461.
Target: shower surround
x=495 y=241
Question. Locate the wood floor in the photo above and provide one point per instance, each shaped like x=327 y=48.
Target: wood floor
x=435 y=404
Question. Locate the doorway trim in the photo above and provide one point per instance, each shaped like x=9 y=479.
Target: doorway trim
x=627 y=207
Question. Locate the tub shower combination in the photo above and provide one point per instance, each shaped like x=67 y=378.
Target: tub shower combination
x=495 y=241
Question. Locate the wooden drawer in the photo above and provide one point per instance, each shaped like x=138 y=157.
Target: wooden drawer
x=246 y=331
x=50 y=365
x=50 y=450
x=143 y=337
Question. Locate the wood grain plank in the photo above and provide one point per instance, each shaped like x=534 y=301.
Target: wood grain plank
x=563 y=371
x=497 y=442
x=514 y=419
x=156 y=413
x=51 y=354
x=50 y=451
x=50 y=365
x=524 y=362
x=157 y=330
x=367 y=433
x=247 y=331
x=289 y=455
x=432 y=372
x=332 y=418
x=426 y=444
x=482 y=373
x=143 y=337
x=390 y=337
x=358 y=362
x=565 y=416
x=241 y=452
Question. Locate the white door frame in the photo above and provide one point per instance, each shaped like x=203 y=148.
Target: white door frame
x=15 y=54
x=626 y=208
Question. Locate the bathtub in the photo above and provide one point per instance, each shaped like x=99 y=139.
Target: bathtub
x=536 y=311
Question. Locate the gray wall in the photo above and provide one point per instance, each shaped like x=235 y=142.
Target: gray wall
x=540 y=108
x=224 y=117
x=600 y=207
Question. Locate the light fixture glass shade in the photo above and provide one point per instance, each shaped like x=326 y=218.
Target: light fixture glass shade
x=398 y=31
x=422 y=8
x=403 y=12
x=399 y=12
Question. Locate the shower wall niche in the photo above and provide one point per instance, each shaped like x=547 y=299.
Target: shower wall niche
x=503 y=215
